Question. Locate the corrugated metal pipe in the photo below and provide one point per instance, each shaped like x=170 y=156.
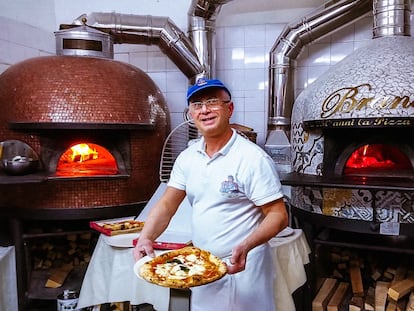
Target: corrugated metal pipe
x=202 y=17
x=193 y=55
x=391 y=18
x=331 y=16
x=146 y=29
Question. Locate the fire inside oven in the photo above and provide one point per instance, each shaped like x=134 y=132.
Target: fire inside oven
x=377 y=159
x=86 y=159
x=86 y=153
x=379 y=152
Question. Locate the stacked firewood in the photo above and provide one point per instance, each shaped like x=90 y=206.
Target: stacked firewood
x=365 y=282
x=55 y=252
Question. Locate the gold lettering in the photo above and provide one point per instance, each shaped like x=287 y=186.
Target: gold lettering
x=364 y=122
x=405 y=102
x=391 y=122
x=381 y=102
x=342 y=123
x=365 y=102
x=342 y=100
x=346 y=100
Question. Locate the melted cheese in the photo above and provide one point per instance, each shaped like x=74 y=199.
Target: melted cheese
x=181 y=267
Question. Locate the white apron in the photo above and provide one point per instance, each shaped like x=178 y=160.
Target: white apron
x=249 y=290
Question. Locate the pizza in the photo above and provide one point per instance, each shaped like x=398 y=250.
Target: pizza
x=125 y=226
x=183 y=268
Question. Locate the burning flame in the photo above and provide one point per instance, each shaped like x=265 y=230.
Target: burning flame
x=378 y=156
x=82 y=152
x=86 y=159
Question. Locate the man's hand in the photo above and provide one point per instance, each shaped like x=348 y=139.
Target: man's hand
x=143 y=248
x=237 y=260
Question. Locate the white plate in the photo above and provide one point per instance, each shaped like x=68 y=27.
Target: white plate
x=143 y=260
x=121 y=240
x=168 y=237
x=288 y=231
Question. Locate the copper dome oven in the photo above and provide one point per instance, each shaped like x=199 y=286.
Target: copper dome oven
x=53 y=104
x=96 y=128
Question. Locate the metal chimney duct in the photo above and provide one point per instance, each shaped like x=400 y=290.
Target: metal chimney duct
x=375 y=82
x=202 y=19
x=139 y=29
x=333 y=16
x=194 y=56
x=328 y=18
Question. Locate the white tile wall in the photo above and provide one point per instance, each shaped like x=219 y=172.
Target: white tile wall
x=242 y=63
x=20 y=41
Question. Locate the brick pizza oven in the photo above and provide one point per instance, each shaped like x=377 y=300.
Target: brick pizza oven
x=54 y=104
x=95 y=129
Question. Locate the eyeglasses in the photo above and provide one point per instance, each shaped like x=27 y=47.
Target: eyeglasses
x=212 y=103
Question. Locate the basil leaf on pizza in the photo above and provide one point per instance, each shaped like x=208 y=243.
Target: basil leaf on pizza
x=183 y=268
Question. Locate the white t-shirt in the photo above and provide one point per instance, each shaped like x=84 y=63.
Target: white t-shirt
x=225 y=190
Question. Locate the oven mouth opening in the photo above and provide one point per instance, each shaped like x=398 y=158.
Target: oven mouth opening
x=86 y=159
x=378 y=160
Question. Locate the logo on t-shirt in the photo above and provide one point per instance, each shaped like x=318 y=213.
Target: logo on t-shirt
x=229 y=186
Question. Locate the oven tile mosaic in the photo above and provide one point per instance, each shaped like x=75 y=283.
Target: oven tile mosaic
x=355 y=204
x=407 y=207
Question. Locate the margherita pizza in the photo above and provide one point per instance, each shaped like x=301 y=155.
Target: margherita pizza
x=183 y=268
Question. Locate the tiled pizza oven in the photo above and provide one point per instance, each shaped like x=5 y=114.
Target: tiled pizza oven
x=351 y=132
x=352 y=151
x=56 y=106
x=354 y=126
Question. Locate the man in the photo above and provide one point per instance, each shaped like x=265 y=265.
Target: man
x=237 y=205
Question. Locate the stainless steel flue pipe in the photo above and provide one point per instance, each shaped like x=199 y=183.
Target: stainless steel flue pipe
x=149 y=30
x=202 y=26
x=331 y=16
x=193 y=55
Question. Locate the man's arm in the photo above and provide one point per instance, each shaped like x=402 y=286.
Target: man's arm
x=275 y=220
x=158 y=220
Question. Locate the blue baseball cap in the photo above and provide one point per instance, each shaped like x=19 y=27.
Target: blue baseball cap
x=203 y=84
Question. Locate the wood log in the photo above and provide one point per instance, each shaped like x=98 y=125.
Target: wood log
x=399 y=275
x=356 y=304
x=335 y=258
x=338 y=297
x=356 y=281
x=345 y=257
x=400 y=289
x=376 y=275
x=58 y=276
x=381 y=291
x=324 y=294
x=391 y=270
x=389 y=273
x=391 y=306
x=410 y=303
x=342 y=266
x=401 y=305
x=337 y=275
x=71 y=237
x=85 y=236
x=369 y=304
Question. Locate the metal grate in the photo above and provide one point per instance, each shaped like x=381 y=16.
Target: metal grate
x=176 y=141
